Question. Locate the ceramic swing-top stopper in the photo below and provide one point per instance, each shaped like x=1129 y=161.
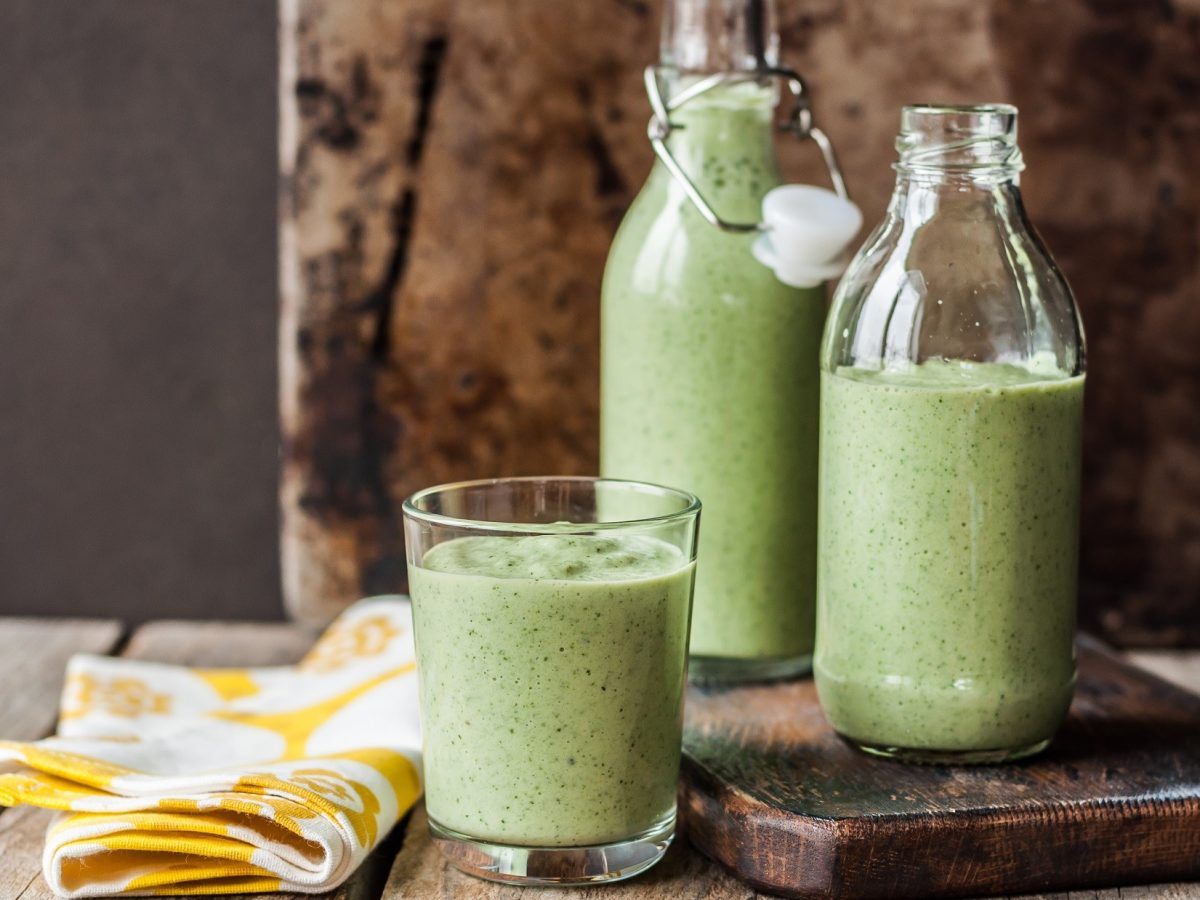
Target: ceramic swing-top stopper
x=807 y=234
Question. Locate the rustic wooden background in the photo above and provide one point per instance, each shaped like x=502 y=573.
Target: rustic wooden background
x=453 y=171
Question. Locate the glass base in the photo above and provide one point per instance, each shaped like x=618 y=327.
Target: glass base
x=555 y=865
x=711 y=670
x=949 y=757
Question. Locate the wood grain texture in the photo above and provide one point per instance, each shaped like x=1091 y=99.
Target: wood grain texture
x=219 y=644
x=1141 y=892
x=22 y=836
x=35 y=658
x=453 y=175
x=351 y=130
x=772 y=793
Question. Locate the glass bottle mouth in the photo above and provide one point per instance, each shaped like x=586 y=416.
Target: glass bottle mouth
x=937 y=139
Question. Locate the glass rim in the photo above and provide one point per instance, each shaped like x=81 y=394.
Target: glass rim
x=691 y=505
x=976 y=141
x=951 y=109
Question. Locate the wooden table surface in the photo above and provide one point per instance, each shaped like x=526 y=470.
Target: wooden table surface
x=406 y=864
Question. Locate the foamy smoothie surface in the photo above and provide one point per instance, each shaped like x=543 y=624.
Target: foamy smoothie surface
x=565 y=557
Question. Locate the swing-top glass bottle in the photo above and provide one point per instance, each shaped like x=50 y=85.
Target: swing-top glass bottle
x=709 y=372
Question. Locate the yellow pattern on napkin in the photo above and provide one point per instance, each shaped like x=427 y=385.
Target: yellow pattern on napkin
x=203 y=781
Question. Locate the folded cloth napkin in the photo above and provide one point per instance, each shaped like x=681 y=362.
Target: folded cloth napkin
x=205 y=781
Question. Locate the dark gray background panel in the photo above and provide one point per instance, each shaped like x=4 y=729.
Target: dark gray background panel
x=138 y=427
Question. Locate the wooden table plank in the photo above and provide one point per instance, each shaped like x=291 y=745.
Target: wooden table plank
x=22 y=835
x=219 y=644
x=34 y=659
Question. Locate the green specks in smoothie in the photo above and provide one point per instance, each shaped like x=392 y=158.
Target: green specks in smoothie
x=962 y=637
x=569 y=663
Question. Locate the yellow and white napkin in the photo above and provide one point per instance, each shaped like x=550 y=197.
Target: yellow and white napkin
x=203 y=781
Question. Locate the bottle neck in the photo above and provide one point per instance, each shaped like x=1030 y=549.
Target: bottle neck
x=724 y=137
x=919 y=197
x=959 y=143
x=702 y=37
x=959 y=162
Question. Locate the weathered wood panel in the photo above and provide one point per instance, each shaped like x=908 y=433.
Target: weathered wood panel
x=1143 y=892
x=1112 y=133
x=453 y=173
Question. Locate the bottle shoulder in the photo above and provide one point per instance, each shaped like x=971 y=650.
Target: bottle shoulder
x=964 y=286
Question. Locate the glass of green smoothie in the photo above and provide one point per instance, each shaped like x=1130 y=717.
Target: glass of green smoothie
x=551 y=621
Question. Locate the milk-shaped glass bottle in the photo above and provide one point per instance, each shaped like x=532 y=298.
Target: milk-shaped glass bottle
x=952 y=400
x=709 y=362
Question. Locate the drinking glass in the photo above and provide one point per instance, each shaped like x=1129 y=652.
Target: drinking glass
x=551 y=621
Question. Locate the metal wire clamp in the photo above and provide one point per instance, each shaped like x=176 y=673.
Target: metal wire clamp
x=799 y=122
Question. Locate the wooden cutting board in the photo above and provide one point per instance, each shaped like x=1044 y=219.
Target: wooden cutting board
x=774 y=795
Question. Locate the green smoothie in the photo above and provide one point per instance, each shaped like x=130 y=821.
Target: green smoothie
x=948 y=543
x=709 y=381
x=551 y=677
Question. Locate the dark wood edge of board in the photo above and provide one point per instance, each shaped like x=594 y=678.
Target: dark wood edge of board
x=810 y=857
